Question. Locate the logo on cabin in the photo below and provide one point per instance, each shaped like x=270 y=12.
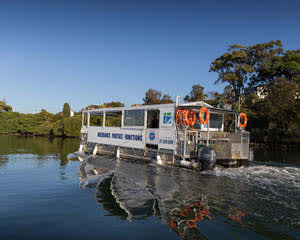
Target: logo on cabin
x=152 y=136
x=167 y=118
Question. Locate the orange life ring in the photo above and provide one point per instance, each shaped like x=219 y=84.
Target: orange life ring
x=185 y=117
x=179 y=116
x=207 y=115
x=242 y=115
x=192 y=118
x=188 y=118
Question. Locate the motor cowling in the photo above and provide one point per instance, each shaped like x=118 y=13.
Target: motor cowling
x=207 y=157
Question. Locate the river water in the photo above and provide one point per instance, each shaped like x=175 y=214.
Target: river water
x=46 y=195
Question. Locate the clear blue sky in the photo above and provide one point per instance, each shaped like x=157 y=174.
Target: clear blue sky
x=90 y=52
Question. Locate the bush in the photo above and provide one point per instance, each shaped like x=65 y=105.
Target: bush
x=68 y=127
x=72 y=126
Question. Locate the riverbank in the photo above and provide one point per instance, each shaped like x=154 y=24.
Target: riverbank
x=40 y=124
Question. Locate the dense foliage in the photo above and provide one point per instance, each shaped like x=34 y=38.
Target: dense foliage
x=4 y=107
x=196 y=94
x=155 y=97
x=66 y=110
x=265 y=83
x=43 y=123
x=105 y=105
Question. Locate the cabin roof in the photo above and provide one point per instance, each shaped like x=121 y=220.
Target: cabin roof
x=159 y=106
x=156 y=106
x=195 y=104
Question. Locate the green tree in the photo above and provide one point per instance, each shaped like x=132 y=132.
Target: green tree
x=287 y=65
x=196 y=94
x=166 y=99
x=112 y=105
x=155 y=97
x=228 y=94
x=105 y=105
x=244 y=66
x=278 y=113
x=152 y=97
x=66 y=110
x=4 y=107
x=214 y=98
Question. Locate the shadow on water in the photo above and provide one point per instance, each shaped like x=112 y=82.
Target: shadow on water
x=252 y=202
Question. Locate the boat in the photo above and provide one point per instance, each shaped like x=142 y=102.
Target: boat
x=193 y=135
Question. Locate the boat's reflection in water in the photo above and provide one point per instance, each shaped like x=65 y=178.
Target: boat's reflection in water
x=134 y=191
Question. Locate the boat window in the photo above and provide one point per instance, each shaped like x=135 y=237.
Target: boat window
x=153 y=119
x=85 y=119
x=215 y=121
x=134 y=118
x=113 y=119
x=229 y=122
x=96 y=119
x=197 y=124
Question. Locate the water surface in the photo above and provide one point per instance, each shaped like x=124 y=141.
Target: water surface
x=46 y=196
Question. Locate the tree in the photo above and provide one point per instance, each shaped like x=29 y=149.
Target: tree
x=104 y=105
x=166 y=99
x=228 y=94
x=90 y=107
x=155 y=97
x=112 y=105
x=66 y=110
x=4 y=107
x=287 y=65
x=196 y=94
x=152 y=97
x=244 y=66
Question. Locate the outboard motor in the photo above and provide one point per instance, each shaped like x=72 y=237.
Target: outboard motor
x=207 y=157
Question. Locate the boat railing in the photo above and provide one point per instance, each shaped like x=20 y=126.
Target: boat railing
x=227 y=145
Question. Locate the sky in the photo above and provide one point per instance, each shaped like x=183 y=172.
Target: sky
x=91 y=52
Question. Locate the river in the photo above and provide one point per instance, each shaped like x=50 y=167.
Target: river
x=45 y=194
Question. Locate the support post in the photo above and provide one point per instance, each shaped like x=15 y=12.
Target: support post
x=118 y=152
x=208 y=125
x=158 y=160
x=104 y=118
x=95 y=150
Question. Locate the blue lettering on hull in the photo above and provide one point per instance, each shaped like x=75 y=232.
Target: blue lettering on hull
x=166 y=141
x=117 y=135
x=104 y=135
x=134 y=137
x=120 y=136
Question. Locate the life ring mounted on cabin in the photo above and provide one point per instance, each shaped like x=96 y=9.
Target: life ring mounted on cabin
x=244 y=116
x=189 y=118
x=207 y=115
x=186 y=117
x=192 y=118
x=179 y=116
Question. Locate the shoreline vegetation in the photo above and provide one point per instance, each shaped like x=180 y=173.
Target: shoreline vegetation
x=261 y=80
